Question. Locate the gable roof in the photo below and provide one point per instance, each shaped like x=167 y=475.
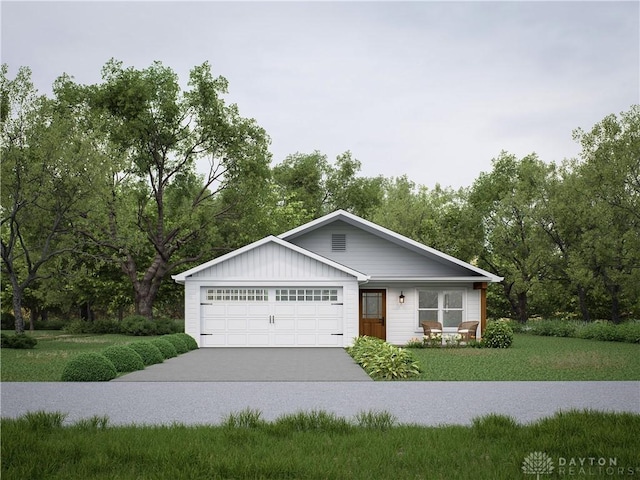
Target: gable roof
x=181 y=277
x=389 y=235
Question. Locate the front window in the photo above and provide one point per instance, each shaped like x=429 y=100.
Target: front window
x=444 y=306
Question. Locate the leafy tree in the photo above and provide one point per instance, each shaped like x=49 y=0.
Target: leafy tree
x=608 y=189
x=44 y=183
x=508 y=200
x=153 y=212
x=310 y=181
x=439 y=217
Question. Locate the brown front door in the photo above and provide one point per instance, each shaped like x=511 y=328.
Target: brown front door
x=373 y=312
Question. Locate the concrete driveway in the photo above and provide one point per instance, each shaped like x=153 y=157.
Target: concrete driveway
x=254 y=365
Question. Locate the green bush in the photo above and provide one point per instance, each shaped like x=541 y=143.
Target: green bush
x=138 y=325
x=179 y=343
x=601 y=330
x=166 y=326
x=630 y=331
x=552 y=328
x=150 y=353
x=166 y=348
x=188 y=339
x=97 y=326
x=124 y=358
x=498 y=334
x=89 y=367
x=7 y=321
x=383 y=361
x=18 y=341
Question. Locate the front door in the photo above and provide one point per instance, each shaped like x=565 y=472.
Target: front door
x=373 y=311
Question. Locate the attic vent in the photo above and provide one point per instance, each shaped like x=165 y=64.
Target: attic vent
x=338 y=242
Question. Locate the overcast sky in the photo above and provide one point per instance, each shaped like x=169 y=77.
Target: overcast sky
x=433 y=90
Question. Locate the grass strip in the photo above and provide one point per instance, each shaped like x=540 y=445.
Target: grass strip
x=316 y=445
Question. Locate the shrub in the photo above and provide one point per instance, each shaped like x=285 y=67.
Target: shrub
x=552 y=328
x=166 y=348
x=384 y=361
x=124 y=358
x=179 y=344
x=601 y=330
x=89 y=367
x=18 y=341
x=150 y=353
x=97 y=326
x=7 y=321
x=138 y=325
x=188 y=339
x=498 y=334
x=166 y=326
x=630 y=331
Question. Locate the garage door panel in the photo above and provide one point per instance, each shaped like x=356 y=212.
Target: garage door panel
x=287 y=319
x=258 y=339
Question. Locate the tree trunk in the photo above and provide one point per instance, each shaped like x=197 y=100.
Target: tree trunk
x=584 y=309
x=523 y=307
x=17 y=307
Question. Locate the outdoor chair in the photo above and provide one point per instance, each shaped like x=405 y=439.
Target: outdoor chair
x=431 y=327
x=468 y=330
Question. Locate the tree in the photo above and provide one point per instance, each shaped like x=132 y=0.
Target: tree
x=608 y=188
x=153 y=211
x=508 y=200
x=439 y=217
x=44 y=184
x=320 y=187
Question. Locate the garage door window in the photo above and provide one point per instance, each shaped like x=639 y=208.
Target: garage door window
x=238 y=295
x=306 y=295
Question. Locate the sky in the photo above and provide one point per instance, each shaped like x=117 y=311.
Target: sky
x=431 y=90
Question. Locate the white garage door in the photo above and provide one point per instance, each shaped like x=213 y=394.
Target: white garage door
x=272 y=317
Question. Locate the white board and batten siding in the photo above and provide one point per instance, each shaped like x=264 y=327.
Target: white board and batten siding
x=222 y=308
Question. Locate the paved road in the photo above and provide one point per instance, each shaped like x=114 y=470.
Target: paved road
x=426 y=403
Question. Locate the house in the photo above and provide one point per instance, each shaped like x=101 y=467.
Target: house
x=326 y=282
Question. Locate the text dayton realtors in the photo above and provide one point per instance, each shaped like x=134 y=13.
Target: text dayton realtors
x=593 y=466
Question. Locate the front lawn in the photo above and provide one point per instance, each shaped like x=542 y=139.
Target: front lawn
x=317 y=445
x=533 y=358
x=45 y=362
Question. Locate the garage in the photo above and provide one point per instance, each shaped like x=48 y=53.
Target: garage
x=271 y=293
x=281 y=316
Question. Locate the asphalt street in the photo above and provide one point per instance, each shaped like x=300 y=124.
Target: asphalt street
x=425 y=403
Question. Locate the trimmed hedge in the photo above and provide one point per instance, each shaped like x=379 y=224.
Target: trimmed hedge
x=166 y=348
x=18 y=341
x=89 y=367
x=179 y=344
x=150 y=353
x=124 y=358
x=603 y=330
x=188 y=339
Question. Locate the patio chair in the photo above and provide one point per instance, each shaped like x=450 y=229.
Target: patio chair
x=468 y=330
x=431 y=327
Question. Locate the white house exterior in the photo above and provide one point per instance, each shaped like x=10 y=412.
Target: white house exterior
x=325 y=283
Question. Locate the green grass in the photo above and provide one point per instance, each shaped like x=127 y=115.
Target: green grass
x=533 y=358
x=45 y=362
x=317 y=445
x=529 y=358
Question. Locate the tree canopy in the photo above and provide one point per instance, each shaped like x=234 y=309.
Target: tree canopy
x=108 y=188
